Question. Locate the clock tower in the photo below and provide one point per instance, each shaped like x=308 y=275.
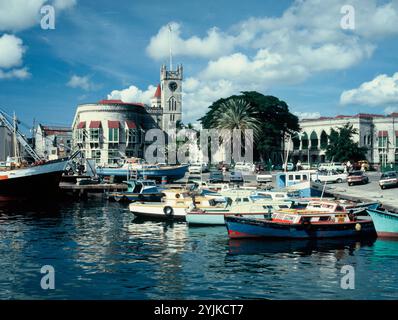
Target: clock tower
x=171 y=96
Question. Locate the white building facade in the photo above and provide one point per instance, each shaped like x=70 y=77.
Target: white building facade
x=110 y=130
x=53 y=142
x=378 y=133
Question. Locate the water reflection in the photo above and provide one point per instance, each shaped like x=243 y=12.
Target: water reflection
x=298 y=247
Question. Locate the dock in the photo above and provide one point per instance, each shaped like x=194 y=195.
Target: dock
x=83 y=191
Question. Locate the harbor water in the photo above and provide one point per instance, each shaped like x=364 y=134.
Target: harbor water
x=99 y=251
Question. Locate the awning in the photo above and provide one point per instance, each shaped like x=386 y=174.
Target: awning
x=95 y=124
x=113 y=124
x=81 y=125
x=131 y=124
x=383 y=133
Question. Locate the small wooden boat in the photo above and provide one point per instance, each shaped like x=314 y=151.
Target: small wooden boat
x=138 y=190
x=300 y=225
x=385 y=222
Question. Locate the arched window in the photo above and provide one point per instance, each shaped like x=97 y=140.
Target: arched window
x=304 y=141
x=324 y=139
x=172 y=104
x=314 y=140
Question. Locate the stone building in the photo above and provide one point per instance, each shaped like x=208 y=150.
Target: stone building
x=110 y=130
x=378 y=133
x=6 y=142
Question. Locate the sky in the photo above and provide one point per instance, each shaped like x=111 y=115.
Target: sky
x=321 y=57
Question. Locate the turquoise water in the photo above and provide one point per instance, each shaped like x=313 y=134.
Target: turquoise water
x=99 y=252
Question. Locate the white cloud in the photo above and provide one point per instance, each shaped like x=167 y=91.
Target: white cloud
x=17 y=15
x=11 y=57
x=307 y=115
x=381 y=90
x=12 y=51
x=82 y=82
x=133 y=94
x=390 y=110
x=15 y=73
x=215 y=43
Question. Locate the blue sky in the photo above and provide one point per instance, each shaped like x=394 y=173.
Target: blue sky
x=296 y=51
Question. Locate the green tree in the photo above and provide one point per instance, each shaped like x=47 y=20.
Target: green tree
x=268 y=116
x=341 y=146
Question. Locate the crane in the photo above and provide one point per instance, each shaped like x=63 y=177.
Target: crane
x=21 y=139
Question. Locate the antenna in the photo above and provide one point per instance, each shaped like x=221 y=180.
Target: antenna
x=170 y=45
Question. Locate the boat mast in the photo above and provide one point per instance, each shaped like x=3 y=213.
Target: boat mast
x=16 y=151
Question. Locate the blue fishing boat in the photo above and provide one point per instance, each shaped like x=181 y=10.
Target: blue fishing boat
x=299 y=182
x=138 y=190
x=300 y=225
x=385 y=222
x=145 y=171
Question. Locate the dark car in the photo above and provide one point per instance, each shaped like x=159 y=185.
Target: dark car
x=357 y=177
x=388 y=179
x=216 y=176
x=236 y=177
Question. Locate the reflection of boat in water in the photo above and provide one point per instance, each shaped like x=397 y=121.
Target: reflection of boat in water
x=386 y=223
x=305 y=247
x=138 y=190
x=145 y=171
x=301 y=224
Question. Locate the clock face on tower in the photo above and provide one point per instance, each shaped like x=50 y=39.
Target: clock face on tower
x=173 y=86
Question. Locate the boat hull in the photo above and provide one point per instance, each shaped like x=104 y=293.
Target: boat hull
x=386 y=223
x=158 y=212
x=239 y=227
x=131 y=197
x=216 y=219
x=32 y=181
x=172 y=173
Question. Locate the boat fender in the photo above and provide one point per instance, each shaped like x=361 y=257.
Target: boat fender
x=168 y=211
x=358 y=227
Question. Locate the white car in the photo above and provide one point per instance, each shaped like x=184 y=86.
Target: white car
x=242 y=166
x=329 y=177
x=264 y=178
x=195 y=168
x=331 y=166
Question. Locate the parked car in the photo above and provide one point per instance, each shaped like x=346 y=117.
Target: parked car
x=357 y=177
x=245 y=166
x=236 y=177
x=388 y=179
x=264 y=178
x=336 y=166
x=195 y=168
x=215 y=177
x=329 y=177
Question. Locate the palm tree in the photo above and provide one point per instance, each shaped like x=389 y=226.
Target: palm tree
x=237 y=114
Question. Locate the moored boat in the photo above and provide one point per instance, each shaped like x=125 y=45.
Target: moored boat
x=144 y=171
x=385 y=222
x=305 y=225
x=138 y=190
x=32 y=180
x=244 y=206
